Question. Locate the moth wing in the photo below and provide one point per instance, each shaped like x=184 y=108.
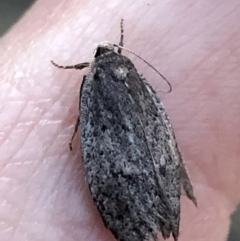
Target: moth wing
x=163 y=148
x=131 y=159
x=186 y=185
x=117 y=160
x=176 y=162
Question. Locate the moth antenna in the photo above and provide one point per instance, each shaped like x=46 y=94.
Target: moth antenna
x=121 y=38
x=151 y=66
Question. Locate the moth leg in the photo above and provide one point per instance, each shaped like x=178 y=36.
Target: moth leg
x=78 y=119
x=121 y=39
x=77 y=66
x=74 y=133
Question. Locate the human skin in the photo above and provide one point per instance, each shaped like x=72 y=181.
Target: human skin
x=195 y=44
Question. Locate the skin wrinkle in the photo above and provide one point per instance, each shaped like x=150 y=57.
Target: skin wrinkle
x=197 y=66
x=28 y=45
x=17 y=223
x=199 y=34
x=21 y=145
x=11 y=130
x=165 y=35
x=19 y=118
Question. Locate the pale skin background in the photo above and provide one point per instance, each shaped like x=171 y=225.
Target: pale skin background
x=195 y=44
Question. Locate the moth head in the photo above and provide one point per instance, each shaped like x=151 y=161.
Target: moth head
x=103 y=48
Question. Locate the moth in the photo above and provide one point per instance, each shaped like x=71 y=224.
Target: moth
x=132 y=162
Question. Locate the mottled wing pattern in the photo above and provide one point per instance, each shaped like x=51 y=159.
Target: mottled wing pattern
x=162 y=146
x=130 y=155
x=186 y=185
